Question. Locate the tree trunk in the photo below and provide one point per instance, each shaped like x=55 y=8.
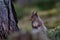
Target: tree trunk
x=8 y=22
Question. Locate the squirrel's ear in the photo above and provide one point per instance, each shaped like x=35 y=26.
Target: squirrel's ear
x=33 y=13
x=36 y=14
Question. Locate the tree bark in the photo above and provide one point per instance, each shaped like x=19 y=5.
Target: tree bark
x=8 y=22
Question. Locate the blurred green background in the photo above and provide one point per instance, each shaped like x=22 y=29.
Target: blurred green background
x=48 y=10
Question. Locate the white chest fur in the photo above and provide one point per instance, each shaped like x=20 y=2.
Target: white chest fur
x=35 y=23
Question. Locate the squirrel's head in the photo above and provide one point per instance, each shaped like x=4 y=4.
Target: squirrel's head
x=34 y=16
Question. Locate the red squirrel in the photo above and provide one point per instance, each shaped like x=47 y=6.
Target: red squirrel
x=37 y=22
x=38 y=28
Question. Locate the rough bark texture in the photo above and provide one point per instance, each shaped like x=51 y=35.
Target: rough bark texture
x=8 y=22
